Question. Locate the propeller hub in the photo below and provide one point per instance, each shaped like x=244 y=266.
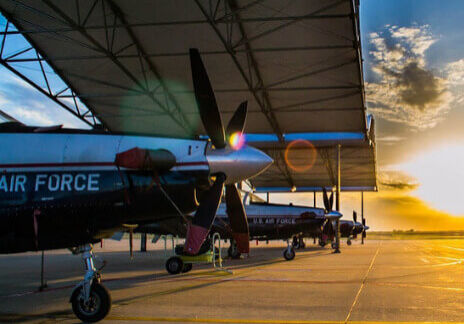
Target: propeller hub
x=237 y=165
x=333 y=215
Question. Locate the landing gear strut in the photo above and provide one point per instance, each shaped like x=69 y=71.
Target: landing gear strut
x=289 y=252
x=91 y=301
x=233 y=251
x=298 y=242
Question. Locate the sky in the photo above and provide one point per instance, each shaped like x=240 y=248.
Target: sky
x=413 y=53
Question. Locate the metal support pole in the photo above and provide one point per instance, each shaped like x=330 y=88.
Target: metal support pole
x=43 y=284
x=337 y=223
x=314 y=193
x=362 y=204
x=143 y=242
x=267 y=197
x=362 y=214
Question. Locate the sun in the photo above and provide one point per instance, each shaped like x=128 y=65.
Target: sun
x=440 y=173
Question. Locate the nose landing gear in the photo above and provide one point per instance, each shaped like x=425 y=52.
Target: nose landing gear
x=289 y=252
x=90 y=300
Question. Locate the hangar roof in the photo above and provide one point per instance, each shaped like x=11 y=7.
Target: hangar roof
x=298 y=63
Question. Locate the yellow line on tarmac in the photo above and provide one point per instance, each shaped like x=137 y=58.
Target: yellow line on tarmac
x=362 y=286
x=253 y=321
x=214 y=320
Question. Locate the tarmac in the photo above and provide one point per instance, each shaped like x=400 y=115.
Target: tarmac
x=386 y=281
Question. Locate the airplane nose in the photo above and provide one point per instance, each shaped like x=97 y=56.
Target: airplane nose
x=333 y=215
x=238 y=165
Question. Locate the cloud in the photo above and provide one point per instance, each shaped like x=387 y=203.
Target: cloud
x=26 y=104
x=406 y=91
x=389 y=140
x=390 y=179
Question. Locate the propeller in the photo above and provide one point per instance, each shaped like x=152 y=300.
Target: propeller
x=237 y=122
x=364 y=230
x=328 y=202
x=204 y=216
x=211 y=118
x=238 y=219
x=206 y=101
x=355 y=219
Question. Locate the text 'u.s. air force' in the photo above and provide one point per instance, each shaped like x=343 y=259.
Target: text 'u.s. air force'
x=51 y=182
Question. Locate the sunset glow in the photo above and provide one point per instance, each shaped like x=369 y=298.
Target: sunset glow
x=440 y=173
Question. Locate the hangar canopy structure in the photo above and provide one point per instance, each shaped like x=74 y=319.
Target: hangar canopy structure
x=126 y=68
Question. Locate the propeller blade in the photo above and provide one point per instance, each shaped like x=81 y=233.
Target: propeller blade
x=238 y=218
x=364 y=234
x=331 y=200
x=355 y=216
x=206 y=101
x=237 y=122
x=326 y=200
x=204 y=216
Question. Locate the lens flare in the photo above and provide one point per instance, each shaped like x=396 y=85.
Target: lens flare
x=300 y=155
x=237 y=140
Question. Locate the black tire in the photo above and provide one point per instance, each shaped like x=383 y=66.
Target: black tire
x=348 y=242
x=174 y=265
x=98 y=307
x=322 y=243
x=187 y=267
x=289 y=255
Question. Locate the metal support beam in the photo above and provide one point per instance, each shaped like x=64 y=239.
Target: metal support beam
x=267 y=197
x=337 y=201
x=228 y=18
x=173 y=54
x=251 y=73
x=362 y=213
x=314 y=195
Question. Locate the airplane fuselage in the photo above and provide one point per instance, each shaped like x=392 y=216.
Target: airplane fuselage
x=62 y=190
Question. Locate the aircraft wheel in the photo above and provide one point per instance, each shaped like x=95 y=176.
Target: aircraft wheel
x=289 y=254
x=187 y=267
x=348 y=242
x=174 y=265
x=333 y=245
x=322 y=243
x=96 y=308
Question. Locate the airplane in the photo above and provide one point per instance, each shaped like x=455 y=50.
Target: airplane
x=266 y=221
x=63 y=188
x=348 y=229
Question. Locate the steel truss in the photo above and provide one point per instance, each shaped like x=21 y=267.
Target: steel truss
x=224 y=17
x=250 y=71
x=65 y=97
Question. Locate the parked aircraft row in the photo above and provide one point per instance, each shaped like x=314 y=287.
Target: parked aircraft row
x=266 y=222
x=66 y=188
